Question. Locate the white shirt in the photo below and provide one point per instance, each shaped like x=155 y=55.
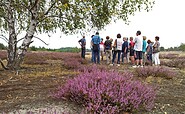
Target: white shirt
x=138 y=43
x=119 y=43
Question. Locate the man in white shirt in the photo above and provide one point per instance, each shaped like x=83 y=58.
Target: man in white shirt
x=138 y=49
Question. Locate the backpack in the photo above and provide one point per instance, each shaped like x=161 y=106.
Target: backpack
x=107 y=45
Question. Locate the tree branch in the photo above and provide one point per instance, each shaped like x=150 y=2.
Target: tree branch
x=36 y=38
x=4 y=38
x=49 y=9
x=41 y=40
x=36 y=1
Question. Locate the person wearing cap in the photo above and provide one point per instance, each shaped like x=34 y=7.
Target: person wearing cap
x=96 y=48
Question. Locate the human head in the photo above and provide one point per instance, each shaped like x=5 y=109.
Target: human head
x=149 y=41
x=92 y=36
x=101 y=39
x=83 y=36
x=118 y=35
x=107 y=37
x=138 y=33
x=97 y=33
x=124 y=38
x=131 y=38
x=157 y=38
x=144 y=37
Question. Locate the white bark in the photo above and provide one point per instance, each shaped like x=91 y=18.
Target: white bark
x=12 y=44
x=29 y=35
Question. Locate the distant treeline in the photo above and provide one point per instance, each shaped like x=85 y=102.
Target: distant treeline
x=75 y=49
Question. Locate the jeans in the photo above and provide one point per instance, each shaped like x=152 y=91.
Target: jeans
x=83 y=52
x=114 y=56
x=124 y=55
x=92 y=55
x=96 y=57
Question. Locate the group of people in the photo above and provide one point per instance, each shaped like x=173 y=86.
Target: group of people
x=136 y=50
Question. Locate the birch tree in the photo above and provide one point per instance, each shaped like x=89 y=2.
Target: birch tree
x=70 y=16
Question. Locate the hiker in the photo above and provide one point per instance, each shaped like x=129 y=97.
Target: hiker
x=131 y=48
x=138 y=49
x=118 y=47
x=82 y=42
x=124 y=50
x=96 y=48
x=156 y=50
x=102 y=50
x=92 y=52
x=149 y=52
x=144 y=49
x=108 y=49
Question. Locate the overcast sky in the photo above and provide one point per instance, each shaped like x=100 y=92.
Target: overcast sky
x=166 y=20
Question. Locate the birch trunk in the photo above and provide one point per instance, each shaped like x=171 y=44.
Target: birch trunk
x=28 y=37
x=12 y=44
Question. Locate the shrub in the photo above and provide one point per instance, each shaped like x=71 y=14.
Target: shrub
x=161 y=71
x=177 y=63
x=169 y=56
x=107 y=92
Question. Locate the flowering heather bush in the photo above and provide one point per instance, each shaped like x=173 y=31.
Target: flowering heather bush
x=156 y=71
x=177 y=63
x=169 y=56
x=43 y=57
x=105 y=92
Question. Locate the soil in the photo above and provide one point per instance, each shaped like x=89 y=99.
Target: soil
x=30 y=89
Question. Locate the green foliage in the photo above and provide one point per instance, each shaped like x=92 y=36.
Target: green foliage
x=71 y=15
x=182 y=47
x=2 y=47
x=66 y=49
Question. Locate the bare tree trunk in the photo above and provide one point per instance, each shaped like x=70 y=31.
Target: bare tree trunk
x=12 y=44
x=28 y=37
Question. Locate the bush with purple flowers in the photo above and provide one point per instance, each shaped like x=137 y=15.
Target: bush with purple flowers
x=161 y=71
x=103 y=92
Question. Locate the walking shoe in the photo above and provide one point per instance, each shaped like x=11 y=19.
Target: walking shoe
x=134 y=66
x=118 y=64
x=111 y=64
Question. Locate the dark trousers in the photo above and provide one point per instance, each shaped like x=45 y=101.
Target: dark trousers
x=83 y=52
x=114 y=56
x=96 y=57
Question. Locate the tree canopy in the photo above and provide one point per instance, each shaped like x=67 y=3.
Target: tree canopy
x=70 y=15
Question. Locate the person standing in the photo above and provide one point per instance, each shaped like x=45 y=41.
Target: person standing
x=118 y=47
x=131 y=48
x=144 y=49
x=92 y=52
x=124 y=50
x=96 y=48
x=138 y=49
x=108 y=49
x=82 y=42
x=149 y=52
x=156 y=50
x=102 y=49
